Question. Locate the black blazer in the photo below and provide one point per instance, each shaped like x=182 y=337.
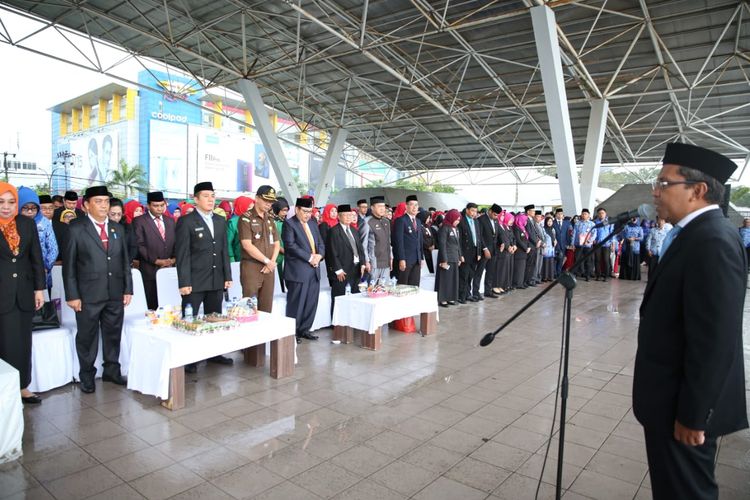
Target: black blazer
x=202 y=260
x=297 y=250
x=90 y=272
x=489 y=237
x=468 y=250
x=689 y=363
x=150 y=244
x=339 y=253
x=449 y=248
x=22 y=274
x=520 y=239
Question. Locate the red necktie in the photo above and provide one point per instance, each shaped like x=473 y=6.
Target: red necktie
x=160 y=227
x=103 y=235
x=414 y=223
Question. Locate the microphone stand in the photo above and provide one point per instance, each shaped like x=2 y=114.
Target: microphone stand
x=567 y=280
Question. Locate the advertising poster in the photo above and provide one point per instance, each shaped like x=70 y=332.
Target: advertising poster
x=168 y=158
x=262 y=164
x=96 y=155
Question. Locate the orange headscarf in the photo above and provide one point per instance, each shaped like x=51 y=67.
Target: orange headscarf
x=8 y=226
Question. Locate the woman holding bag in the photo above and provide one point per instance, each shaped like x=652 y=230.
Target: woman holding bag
x=22 y=283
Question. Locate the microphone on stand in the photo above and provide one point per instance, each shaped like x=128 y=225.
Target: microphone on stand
x=644 y=211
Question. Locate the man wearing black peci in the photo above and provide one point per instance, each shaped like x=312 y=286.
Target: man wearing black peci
x=202 y=258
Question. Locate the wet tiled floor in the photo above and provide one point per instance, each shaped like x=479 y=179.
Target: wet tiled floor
x=428 y=418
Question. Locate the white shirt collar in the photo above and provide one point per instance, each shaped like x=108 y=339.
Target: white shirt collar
x=692 y=215
x=153 y=217
x=96 y=224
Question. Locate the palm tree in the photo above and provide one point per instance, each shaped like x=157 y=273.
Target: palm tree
x=127 y=181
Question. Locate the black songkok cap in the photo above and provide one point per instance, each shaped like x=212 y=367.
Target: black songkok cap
x=344 y=208
x=411 y=197
x=155 y=196
x=528 y=207
x=585 y=211
x=95 y=191
x=202 y=186
x=359 y=202
x=304 y=203
x=471 y=205
x=377 y=199
x=496 y=208
x=71 y=196
x=537 y=212
x=558 y=210
x=709 y=162
x=266 y=192
x=44 y=198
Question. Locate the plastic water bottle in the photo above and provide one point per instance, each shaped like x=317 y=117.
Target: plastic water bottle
x=200 y=311
x=348 y=289
x=188 y=314
x=224 y=308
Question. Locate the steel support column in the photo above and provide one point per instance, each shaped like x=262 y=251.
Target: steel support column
x=330 y=163
x=548 y=50
x=592 y=156
x=268 y=136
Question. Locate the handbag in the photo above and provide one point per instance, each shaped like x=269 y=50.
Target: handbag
x=45 y=318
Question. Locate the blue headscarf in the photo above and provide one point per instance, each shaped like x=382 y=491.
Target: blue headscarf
x=27 y=195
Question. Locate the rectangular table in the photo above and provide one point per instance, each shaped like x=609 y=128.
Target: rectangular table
x=158 y=354
x=11 y=414
x=368 y=315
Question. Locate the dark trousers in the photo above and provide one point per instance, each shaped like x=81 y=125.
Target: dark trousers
x=15 y=342
x=107 y=316
x=530 y=271
x=559 y=259
x=587 y=268
x=410 y=275
x=519 y=268
x=152 y=298
x=466 y=273
x=302 y=303
x=488 y=266
x=338 y=288
x=211 y=300
x=681 y=471
x=280 y=270
x=603 y=262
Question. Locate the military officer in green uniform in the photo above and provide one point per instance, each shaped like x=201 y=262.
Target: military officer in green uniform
x=260 y=244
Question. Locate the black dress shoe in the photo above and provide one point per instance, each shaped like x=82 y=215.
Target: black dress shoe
x=478 y=298
x=299 y=340
x=88 y=387
x=31 y=400
x=115 y=379
x=443 y=304
x=452 y=302
x=491 y=295
x=221 y=360
x=461 y=301
x=471 y=299
x=309 y=336
x=191 y=368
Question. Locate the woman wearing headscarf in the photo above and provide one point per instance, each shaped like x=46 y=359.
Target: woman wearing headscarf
x=241 y=205
x=22 y=287
x=570 y=252
x=280 y=209
x=28 y=200
x=185 y=208
x=133 y=209
x=428 y=241
x=630 y=260
x=173 y=209
x=506 y=248
x=548 y=251
x=227 y=207
x=449 y=258
x=522 y=242
x=330 y=218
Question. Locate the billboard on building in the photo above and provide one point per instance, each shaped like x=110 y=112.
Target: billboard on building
x=168 y=158
x=224 y=158
x=95 y=156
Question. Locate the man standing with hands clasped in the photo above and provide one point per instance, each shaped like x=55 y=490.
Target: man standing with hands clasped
x=260 y=247
x=345 y=257
x=98 y=286
x=155 y=236
x=689 y=378
x=203 y=270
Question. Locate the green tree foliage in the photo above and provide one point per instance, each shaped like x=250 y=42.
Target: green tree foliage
x=611 y=179
x=127 y=181
x=41 y=188
x=740 y=196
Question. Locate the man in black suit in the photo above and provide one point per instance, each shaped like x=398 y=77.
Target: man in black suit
x=489 y=229
x=345 y=257
x=407 y=244
x=98 y=286
x=471 y=250
x=202 y=258
x=535 y=243
x=689 y=378
x=561 y=226
x=154 y=235
x=70 y=200
x=303 y=251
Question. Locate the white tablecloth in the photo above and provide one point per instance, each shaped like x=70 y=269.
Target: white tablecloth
x=156 y=350
x=11 y=413
x=365 y=313
x=52 y=353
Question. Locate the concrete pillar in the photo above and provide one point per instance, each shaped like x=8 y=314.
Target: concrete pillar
x=548 y=49
x=267 y=135
x=330 y=163
x=592 y=156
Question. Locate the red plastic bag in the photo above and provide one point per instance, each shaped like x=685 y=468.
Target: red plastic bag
x=405 y=325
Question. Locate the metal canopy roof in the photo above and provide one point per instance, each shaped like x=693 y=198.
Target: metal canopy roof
x=427 y=84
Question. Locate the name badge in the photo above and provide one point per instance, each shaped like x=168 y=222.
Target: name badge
x=198 y=229
x=377 y=226
x=257 y=236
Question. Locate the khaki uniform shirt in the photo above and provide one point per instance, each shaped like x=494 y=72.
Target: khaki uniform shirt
x=261 y=231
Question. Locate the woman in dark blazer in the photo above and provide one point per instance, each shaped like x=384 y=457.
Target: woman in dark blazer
x=519 y=258
x=428 y=241
x=22 y=283
x=449 y=258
